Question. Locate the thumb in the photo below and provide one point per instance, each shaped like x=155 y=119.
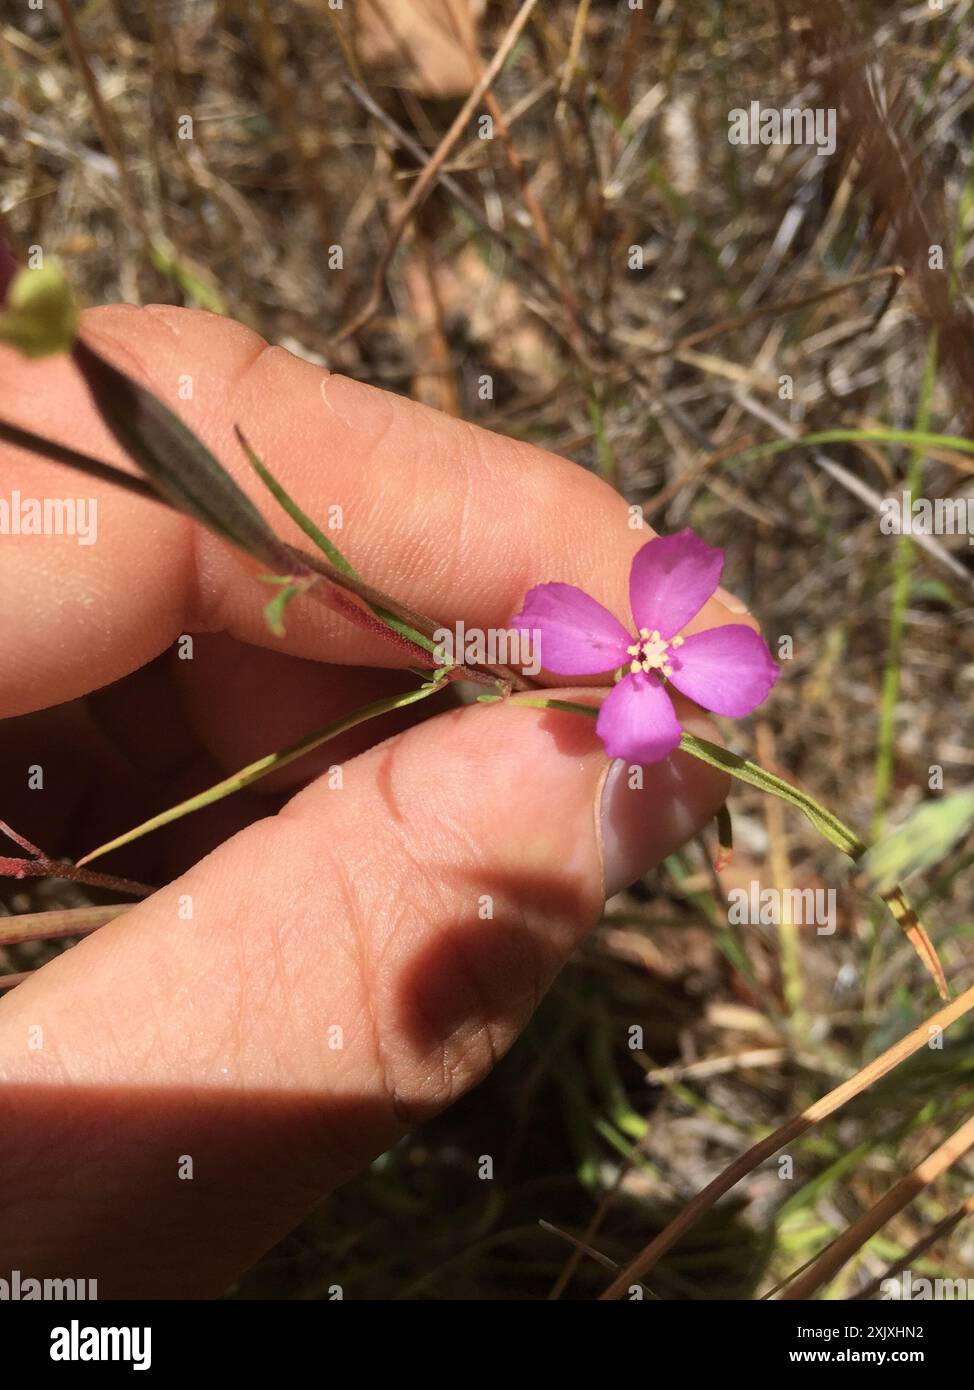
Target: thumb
x=272 y=1020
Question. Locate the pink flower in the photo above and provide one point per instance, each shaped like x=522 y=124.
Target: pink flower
x=728 y=670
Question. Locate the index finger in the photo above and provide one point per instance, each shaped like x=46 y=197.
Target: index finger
x=451 y=519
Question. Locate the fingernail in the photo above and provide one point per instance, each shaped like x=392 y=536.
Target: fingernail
x=362 y=408
x=620 y=862
x=731 y=602
x=645 y=813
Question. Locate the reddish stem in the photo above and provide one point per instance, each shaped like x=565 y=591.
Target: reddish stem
x=43 y=867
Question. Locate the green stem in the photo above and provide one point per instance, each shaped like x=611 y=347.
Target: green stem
x=327 y=547
x=827 y=824
x=902 y=568
x=884 y=764
x=254 y=771
x=917 y=438
x=745 y=771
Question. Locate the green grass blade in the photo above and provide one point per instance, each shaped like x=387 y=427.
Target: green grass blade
x=314 y=533
x=254 y=771
x=327 y=547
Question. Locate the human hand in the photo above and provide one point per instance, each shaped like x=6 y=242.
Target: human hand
x=212 y=1036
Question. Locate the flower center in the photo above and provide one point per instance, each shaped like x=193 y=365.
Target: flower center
x=651 y=652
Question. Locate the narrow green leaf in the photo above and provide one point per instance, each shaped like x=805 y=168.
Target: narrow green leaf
x=918 y=439
x=920 y=842
x=277 y=490
x=328 y=547
x=274 y=611
x=253 y=772
x=745 y=771
x=176 y=461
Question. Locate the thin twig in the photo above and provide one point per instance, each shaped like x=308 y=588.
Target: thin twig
x=104 y=121
x=424 y=183
x=797 y=1125
x=62 y=921
x=917 y=1251
x=898 y=1197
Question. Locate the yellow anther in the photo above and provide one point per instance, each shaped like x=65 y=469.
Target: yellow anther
x=651 y=651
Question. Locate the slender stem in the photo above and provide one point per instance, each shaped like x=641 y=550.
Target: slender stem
x=884 y=763
x=827 y=824
x=270 y=763
x=66 y=921
x=638 y=1268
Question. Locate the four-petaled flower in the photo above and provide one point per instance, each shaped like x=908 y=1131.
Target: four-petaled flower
x=728 y=670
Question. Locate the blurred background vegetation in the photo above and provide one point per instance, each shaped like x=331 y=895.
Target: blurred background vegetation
x=608 y=276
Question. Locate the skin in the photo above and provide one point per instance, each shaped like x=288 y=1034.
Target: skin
x=165 y=1036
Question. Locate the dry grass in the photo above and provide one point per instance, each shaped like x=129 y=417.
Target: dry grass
x=757 y=263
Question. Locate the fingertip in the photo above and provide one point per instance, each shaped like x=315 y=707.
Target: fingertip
x=646 y=813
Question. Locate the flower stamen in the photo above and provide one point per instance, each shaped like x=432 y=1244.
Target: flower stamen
x=651 y=652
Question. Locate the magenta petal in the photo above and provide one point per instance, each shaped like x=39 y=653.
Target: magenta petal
x=637 y=722
x=727 y=670
x=671 y=579
x=578 y=637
